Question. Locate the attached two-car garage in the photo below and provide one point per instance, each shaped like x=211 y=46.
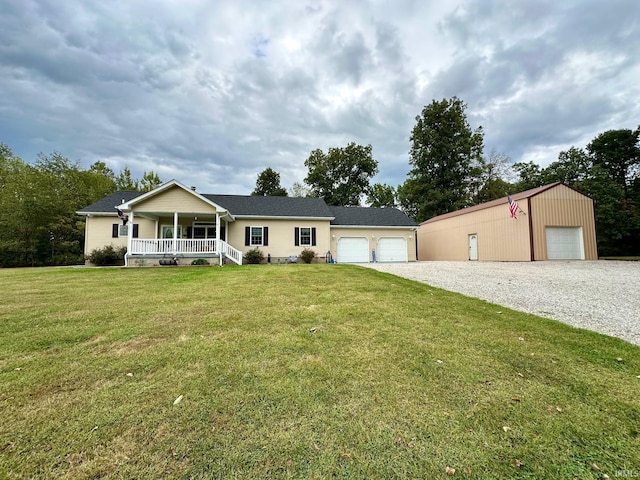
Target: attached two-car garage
x=358 y=250
x=363 y=235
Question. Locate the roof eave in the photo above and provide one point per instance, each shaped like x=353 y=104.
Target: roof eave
x=88 y=214
x=282 y=217
x=381 y=227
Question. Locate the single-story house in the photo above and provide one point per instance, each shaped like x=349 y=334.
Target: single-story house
x=173 y=221
x=551 y=222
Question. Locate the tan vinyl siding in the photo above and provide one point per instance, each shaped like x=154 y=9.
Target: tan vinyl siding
x=373 y=235
x=563 y=207
x=175 y=199
x=281 y=236
x=500 y=237
x=98 y=232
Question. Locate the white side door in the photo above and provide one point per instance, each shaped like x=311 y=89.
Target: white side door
x=473 y=246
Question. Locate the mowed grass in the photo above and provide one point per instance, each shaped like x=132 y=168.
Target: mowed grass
x=299 y=371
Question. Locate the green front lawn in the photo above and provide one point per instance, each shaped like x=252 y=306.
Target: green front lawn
x=299 y=371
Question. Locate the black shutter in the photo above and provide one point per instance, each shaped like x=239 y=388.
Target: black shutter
x=114 y=230
x=265 y=236
x=296 y=238
x=223 y=234
x=135 y=230
x=247 y=235
x=189 y=232
x=313 y=237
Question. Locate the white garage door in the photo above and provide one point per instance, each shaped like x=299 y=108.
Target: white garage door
x=392 y=250
x=564 y=243
x=353 y=250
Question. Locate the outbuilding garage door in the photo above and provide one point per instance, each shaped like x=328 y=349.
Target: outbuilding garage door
x=564 y=243
x=392 y=249
x=353 y=250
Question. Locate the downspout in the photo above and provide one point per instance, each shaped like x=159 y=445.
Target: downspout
x=533 y=257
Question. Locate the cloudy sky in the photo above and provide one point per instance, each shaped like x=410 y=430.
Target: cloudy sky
x=212 y=92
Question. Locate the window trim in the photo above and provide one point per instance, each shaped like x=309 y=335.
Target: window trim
x=310 y=237
x=251 y=235
x=170 y=226
x=297 y=237
x=115 y=230
x=206 y=226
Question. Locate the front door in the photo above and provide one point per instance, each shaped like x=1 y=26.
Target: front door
x=473 y=246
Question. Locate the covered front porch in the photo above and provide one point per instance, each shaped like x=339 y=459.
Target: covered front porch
x=184 y=248
x=186 y=236
x=178 y=224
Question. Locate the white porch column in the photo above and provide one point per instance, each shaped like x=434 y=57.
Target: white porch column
x=129 y=237
x=217 y=229
x=175 y=230
x=156 y=236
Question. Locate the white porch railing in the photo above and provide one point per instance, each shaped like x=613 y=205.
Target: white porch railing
x=150 y=246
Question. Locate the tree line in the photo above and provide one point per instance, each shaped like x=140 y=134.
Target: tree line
x=448 y=170
x=38 y=204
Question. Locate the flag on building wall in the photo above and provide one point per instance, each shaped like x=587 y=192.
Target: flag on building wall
x=513 y=207
x=122 y=216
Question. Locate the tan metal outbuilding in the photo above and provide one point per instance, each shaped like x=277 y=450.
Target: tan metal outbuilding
x=552 y=222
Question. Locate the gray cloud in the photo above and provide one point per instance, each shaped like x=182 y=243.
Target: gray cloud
x=211 y=93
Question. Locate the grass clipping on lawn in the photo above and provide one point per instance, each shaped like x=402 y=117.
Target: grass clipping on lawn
x=302 y=371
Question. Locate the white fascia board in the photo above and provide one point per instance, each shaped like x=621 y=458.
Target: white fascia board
x=271 y=217
x=378 y=227
x=98 y=214
x=126 y=206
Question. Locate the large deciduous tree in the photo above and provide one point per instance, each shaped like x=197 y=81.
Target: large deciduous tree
x=618 y=153
x=38 y=205
x=381 y=196
x=496 y=169
x=446 y=160
x=268 y=184
x=341 y=176
x=608 y=171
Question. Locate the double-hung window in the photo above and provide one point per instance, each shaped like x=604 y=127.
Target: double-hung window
x=122 y=231
x=256 y=236
x=304 y=236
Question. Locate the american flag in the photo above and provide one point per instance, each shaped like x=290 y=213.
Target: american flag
x=513 y=207
x=122 y=216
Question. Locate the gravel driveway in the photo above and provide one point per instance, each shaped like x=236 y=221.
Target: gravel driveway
x=603 y=296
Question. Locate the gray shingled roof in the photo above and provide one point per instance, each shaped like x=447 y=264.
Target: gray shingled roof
x=367 y=216
x=249 y=205
x=108 y=203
